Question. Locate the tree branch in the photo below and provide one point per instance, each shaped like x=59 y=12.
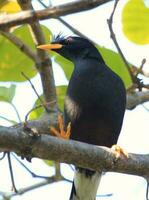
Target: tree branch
x=142 y=71
x=9 y=20
x=45 y=66
x=136 y=98
x=84 y=155
x=21 y=191
x=113 y=37
x=21 y=45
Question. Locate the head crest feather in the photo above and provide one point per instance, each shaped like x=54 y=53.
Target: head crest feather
x=59 y=37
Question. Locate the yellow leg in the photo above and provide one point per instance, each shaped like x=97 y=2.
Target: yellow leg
x=61 y=133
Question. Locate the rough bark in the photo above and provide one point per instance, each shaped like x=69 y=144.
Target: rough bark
x=21 y=141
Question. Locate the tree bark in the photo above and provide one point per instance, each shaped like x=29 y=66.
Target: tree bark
x=52 y=12
x=30 y=143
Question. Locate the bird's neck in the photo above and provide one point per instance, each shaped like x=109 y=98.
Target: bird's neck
x=88 y=54
x=88 y=65
x=95 y=55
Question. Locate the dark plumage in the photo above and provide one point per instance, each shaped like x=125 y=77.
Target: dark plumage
x=94 y=104
x=95 y=99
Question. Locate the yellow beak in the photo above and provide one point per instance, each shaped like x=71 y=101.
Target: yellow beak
x=50 y=46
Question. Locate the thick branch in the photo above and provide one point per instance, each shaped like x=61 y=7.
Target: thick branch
x=52 y=12
x=81 y=154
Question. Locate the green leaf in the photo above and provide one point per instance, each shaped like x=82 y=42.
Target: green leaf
x=13 y=61
x=66 y=65
x=115 y=62
x=61 y=92
x=112 y=59
x=7 y=94
x=49 y=163
x=37 y=112
x=135 y=21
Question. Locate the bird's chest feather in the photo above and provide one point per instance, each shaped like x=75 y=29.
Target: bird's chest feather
x=83 y=85
x=79 y=96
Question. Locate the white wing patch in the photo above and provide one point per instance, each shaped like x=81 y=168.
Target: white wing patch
x=72 y=108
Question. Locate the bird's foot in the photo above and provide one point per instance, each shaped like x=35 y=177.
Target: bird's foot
x=61 y=133
x=118 y=151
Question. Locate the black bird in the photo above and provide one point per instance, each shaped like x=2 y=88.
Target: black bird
x=94 y=104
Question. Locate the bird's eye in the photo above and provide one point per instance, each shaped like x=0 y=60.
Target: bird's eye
x=69 y=40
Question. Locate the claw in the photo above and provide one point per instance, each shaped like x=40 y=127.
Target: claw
x=61 y=133
x=118 y=151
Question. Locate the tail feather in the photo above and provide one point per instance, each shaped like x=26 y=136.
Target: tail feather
x=85 y=184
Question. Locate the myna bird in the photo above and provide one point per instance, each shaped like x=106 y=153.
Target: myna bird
x=94 y=105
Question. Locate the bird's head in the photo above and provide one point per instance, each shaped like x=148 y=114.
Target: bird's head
x=73 y=48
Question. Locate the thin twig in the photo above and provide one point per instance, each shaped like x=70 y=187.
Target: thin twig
x=36 y=107
x=47 y=180
x=3 y=156
x=43 y=104
x=113 y=37
x=43 y=4
x=21 y=45
x=32 y=187
x=58 y=175
x=134 y=69
x=8 y=120
x=74 y=30
x=104 y=195
x=32 y=173
x=11 y=172
x=141 y=67
x=137 y=83
x=16 y=111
